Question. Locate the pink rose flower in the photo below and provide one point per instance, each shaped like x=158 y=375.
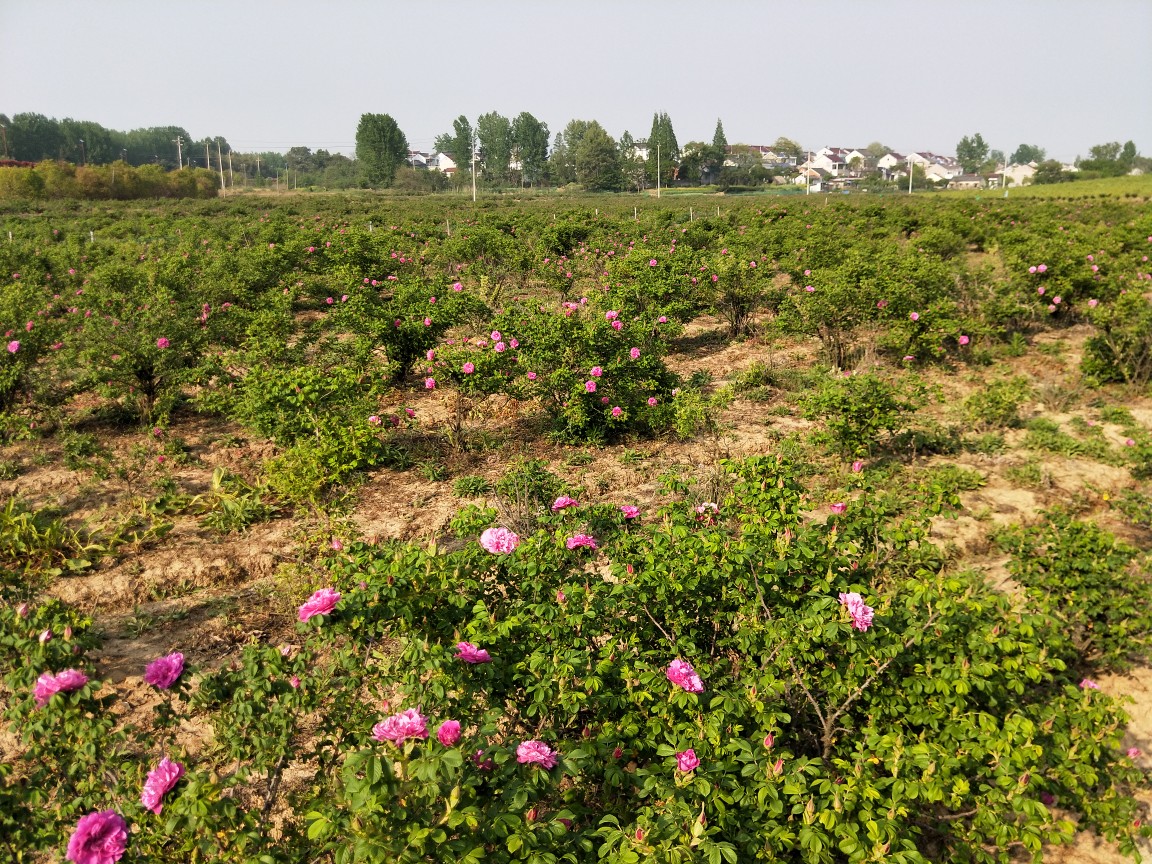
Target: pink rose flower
x=13 y=347
x=448 y=733
x=162 y=342
x=860 y=613
x=629 y=511
x=1133 y=752
x=686 y=761
x=99 y=838
x=160 y=781
x=590 y=386
x=563 y=502
x=400 y=727
x=164 y=671
x=468 y=368
x=1089 y=684
x=915 y=316
x=857 y=467
x=617 y=411
x=681 y=673
x=536 y=753
x=581 y=540
x=634 y=353
x=48 y=685
x=469 y=653
x=596 y=372
x=531 y=376
x=963 y=340
x=616 y=325
x=429 y=383
x=320 y=603
x=838 y=507
x=499 y=541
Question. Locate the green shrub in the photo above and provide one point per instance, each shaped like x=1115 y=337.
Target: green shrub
x=859 y=409
x=997 y=405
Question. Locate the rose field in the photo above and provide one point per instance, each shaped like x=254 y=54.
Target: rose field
x=606 y=529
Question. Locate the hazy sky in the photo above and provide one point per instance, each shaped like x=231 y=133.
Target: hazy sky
x=1064 y=74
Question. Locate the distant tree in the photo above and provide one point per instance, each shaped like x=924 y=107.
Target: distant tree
x=662 y=137
x=32 y=137
x=381 y=148
x=563 y=161
x=598 y=164
x=971 y=153
x=530 y=137
x=788 y=147
x=633 y=173
x=877 y=150
x=494 y=134
x=299 y=159
x=1026 y=153
x=1051 y=171
x=717 y=153
x=458 y=144
x=1110 y=160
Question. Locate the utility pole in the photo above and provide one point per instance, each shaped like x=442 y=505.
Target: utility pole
x=220 y=165
x=231 y=182
x=179 y=141
x=909 y=175
x=83 y=153
x=473 y=172
x=207 y=156
x=657 y=170
x=4 y=132
x=808 y=175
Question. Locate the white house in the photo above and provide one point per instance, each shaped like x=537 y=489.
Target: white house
x=416 y=159
x=442 y=162
x=1018 y=175
x=891 y=160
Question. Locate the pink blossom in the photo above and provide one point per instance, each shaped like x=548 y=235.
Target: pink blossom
x=616 y=410
x=1129 y=442
x=857 y=467
x=429 y=383
x=634 y=353
x=374 y=420
x=531 y=376
x=810 y=288
x=469 y=653
x=400 y=727
x=430 y=356
x=1093 y=302
x=769 y=740
x=681 y=673
x=590 y=386
x=652 y=263
x=160 y=781
x=162 y=342
x=596 y=372
x=610 y=315
x=499 y=540
x=1032 y=269
x=22 y=610
x=164 y=671
x=1042 y=268
x=448 y=733
x=99 y=838
x=48 y=685
x=427 y=322
x=1133 y=752
x=536 y=753
x=838 y=507
x=1089 y=684
x=499 y=347
x=860 y=613
x=329 y=300
x=651 y=401
x=45 y=636
x=686 y=761
x=915 y=316
x=629 y=511
x=663 y=319
x=581 y=540
x=294 y=682
x=456 y=286
x=468 y=368
x=320 y=603
x=562 y=502
x=617 y=325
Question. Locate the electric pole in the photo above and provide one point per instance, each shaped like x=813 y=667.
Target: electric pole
x=220 y=165
x=473 y=172
x=179 y=141
x=207 y=156
x=657 y=170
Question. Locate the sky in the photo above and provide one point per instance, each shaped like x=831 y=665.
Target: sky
x=919 y=75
